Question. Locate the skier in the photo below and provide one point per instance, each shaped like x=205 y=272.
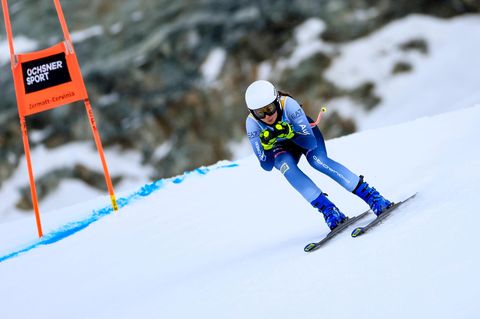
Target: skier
x=280 y=132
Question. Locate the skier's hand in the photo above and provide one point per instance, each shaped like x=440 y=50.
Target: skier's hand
x=284 y=130
x=268 y=139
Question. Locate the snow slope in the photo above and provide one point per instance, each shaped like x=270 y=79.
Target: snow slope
x=443 y=78
x=229 y=244
x=70 y=192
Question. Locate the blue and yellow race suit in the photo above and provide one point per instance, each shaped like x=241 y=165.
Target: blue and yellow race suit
x=286 y=154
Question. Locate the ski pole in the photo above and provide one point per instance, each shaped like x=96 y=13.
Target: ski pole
x=319 y=117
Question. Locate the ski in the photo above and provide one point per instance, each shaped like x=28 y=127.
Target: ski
x=349 y=221
x=362 y=230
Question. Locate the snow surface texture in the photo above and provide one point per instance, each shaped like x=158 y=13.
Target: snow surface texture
x=75 y=226
x=444 y=78
x=217 y=246
x=71 y=192
x=229 y=244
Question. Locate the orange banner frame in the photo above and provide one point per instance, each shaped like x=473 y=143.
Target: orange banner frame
x=47 y=79
x=43 y=99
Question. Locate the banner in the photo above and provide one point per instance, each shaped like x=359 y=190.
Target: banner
x=47 y=79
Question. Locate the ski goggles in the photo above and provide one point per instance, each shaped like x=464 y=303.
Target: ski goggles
x=270 y=109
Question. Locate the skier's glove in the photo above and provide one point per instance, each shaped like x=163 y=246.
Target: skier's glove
x=284 y=130
x=268 y=139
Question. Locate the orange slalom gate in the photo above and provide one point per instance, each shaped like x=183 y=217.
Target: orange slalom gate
x=47 y=79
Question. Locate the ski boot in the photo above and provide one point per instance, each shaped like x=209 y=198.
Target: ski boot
x=333 y=216
x=372 y=197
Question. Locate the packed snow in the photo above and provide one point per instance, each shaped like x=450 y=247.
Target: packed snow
x=228 y=243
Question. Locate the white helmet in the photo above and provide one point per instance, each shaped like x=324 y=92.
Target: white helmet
x=259 y=94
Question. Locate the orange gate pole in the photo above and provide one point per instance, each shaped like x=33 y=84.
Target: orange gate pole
x=23 y=124
x=31 y=102
x=98 y=143
x=96 y=135
x=63 y=23
x=33 y=190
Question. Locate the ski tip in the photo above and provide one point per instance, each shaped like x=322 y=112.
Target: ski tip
x=357 y=232
x=309 y=247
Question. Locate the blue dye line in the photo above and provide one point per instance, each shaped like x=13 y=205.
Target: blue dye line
x=74 y=227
